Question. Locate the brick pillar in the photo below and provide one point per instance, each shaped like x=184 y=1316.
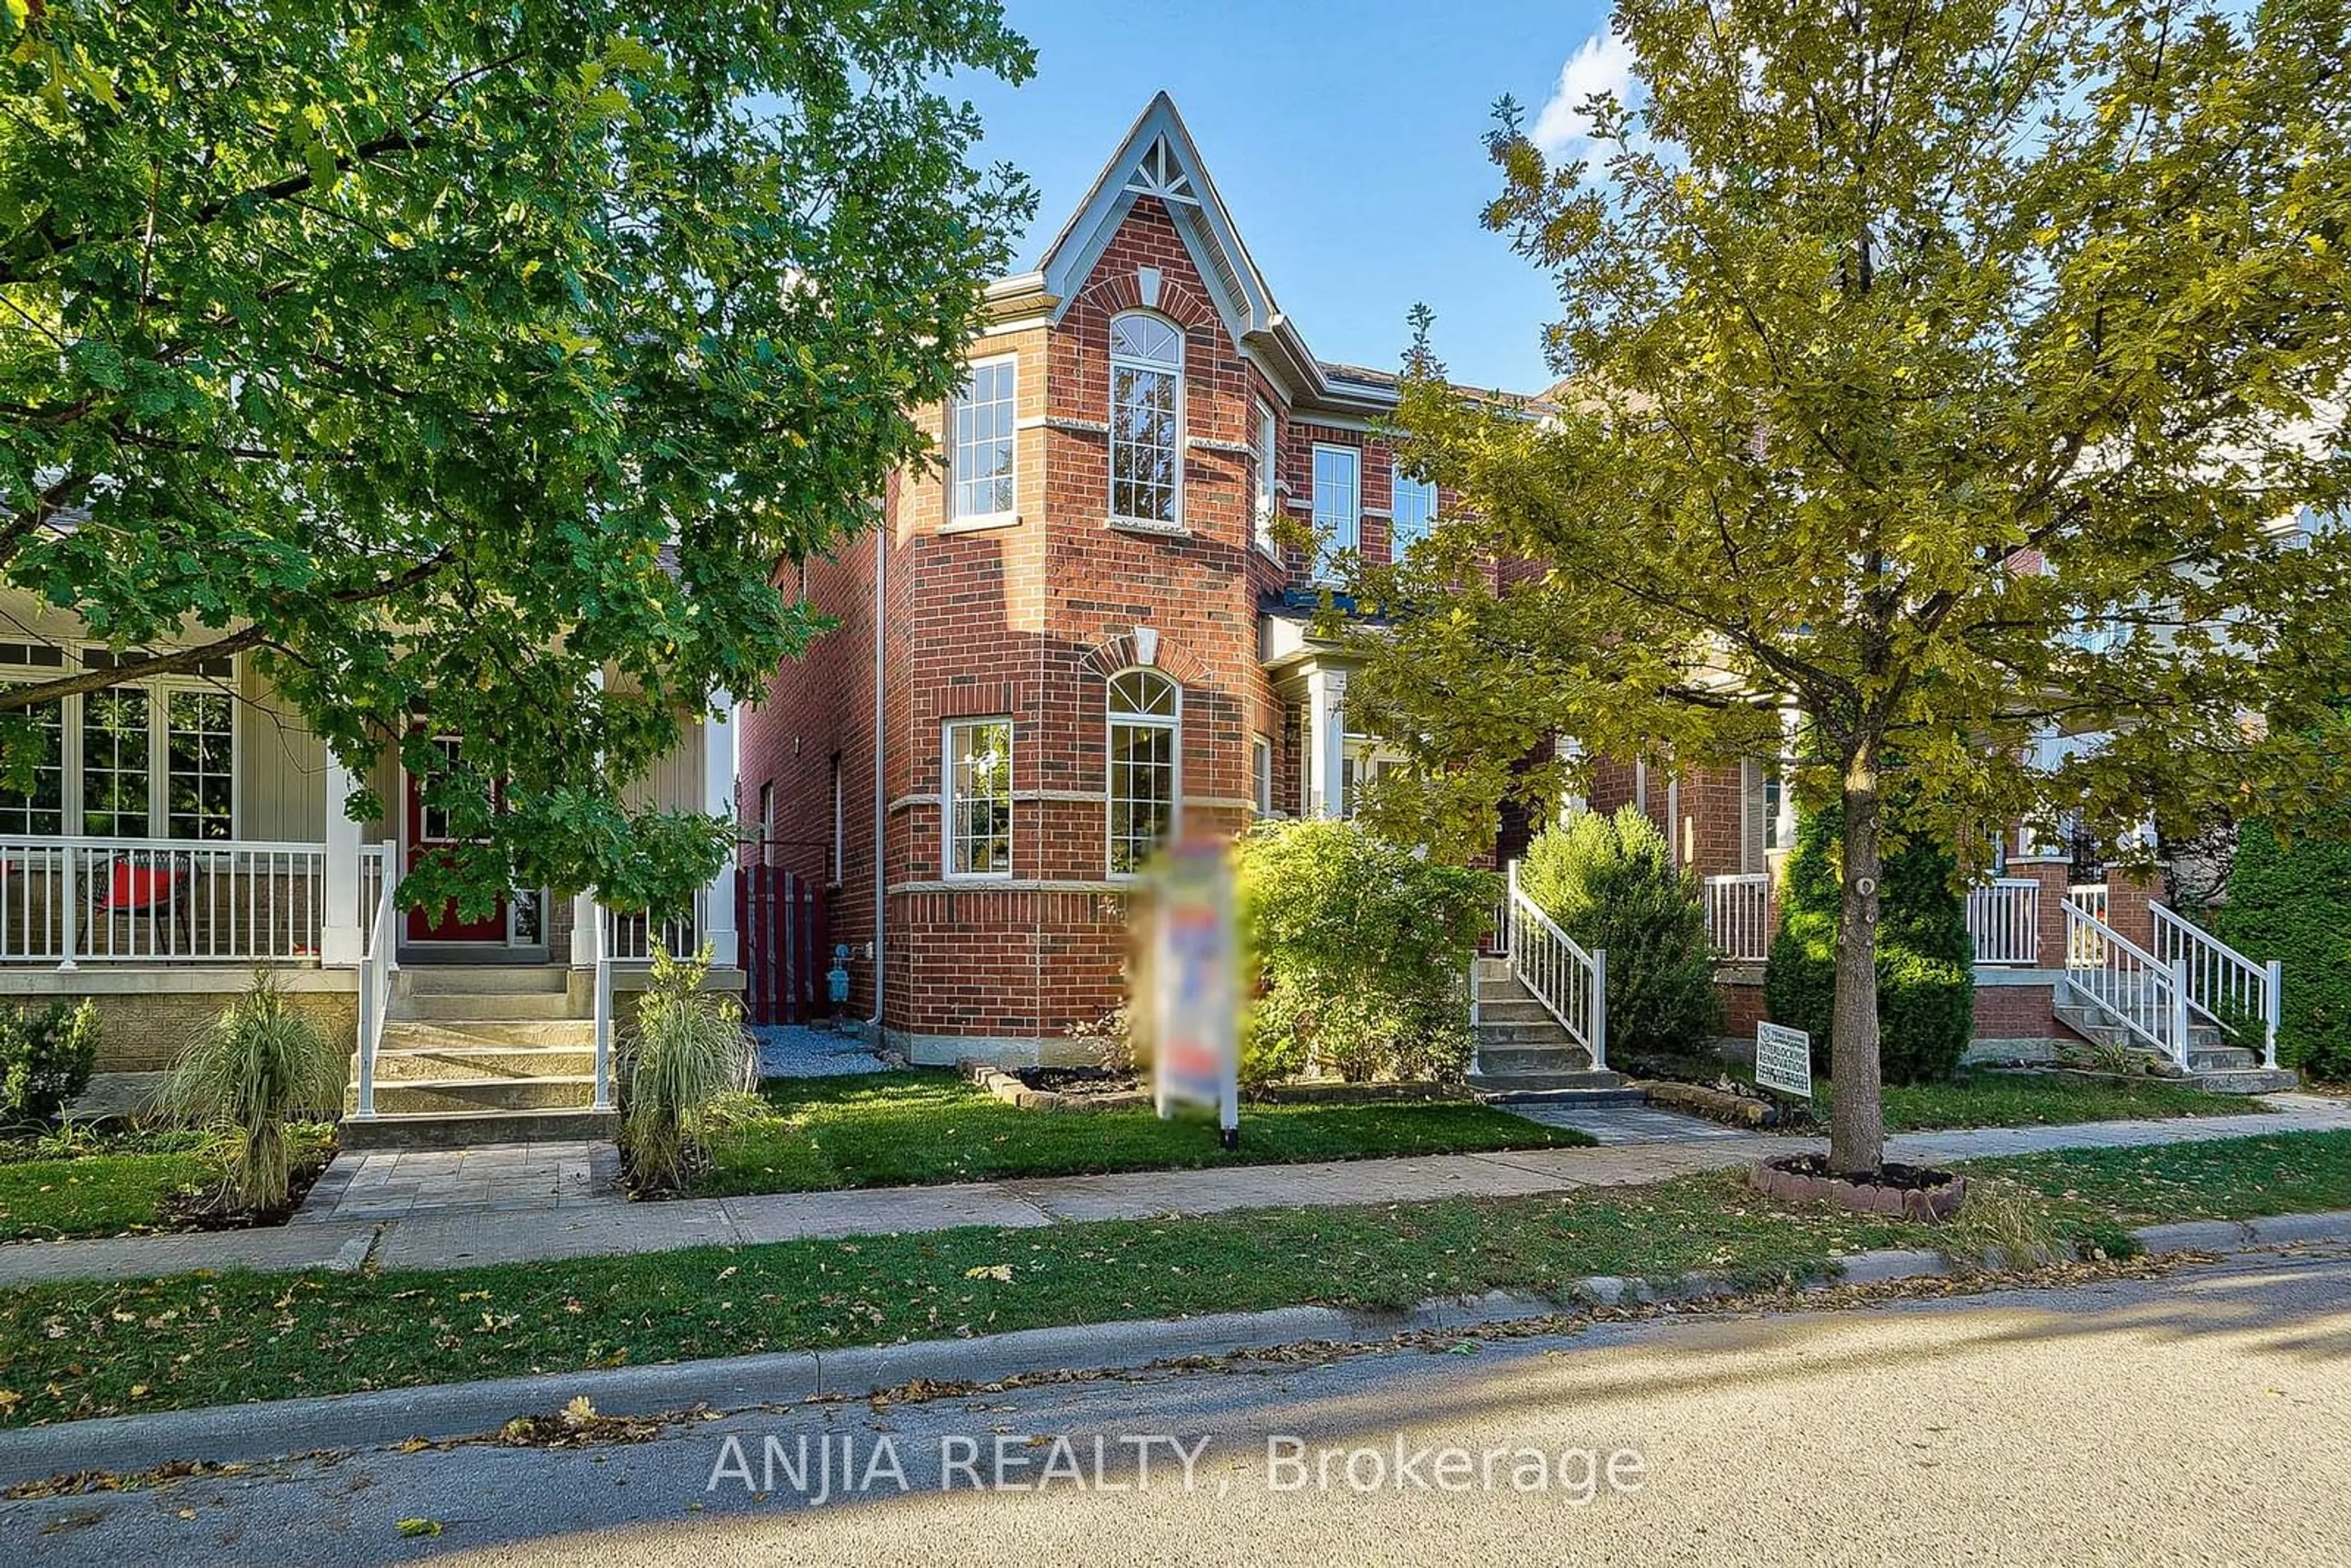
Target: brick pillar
x=2128 y=893
x=2054 y=874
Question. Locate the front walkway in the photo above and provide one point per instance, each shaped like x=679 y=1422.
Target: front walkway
x=459 y=1238
x=502 y=1178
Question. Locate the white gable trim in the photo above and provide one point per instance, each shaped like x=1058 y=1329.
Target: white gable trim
x=1158 y=159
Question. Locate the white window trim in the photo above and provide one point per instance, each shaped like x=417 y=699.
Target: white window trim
x=1173 y=724
x=1265 y=504
x=71 y=797
x=1353 y=537
x=1261 y=774
x=1397 y=480
x=947 y=799
x=1174 y=523
x=957 y=520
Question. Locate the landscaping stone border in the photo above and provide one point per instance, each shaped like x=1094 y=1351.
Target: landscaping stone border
x=1005 y=1084
x=1929 y=1205
x=1714 y=1104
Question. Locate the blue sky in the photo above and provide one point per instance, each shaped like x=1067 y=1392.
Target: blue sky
x=1345 y=138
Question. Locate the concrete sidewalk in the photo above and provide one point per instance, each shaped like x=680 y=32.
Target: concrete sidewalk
x=461 y=1238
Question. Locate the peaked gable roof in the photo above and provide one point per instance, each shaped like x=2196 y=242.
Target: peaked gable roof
x=1158 y=158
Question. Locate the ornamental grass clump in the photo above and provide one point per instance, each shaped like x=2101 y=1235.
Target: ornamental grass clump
x=261 y=1065
x=686 y=1050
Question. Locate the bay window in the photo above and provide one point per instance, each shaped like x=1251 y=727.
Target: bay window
x=1338 y=503
x=1146 y=421
x=1145 y=735
x=982 y=445
x=1412 y=511
x=977 y=774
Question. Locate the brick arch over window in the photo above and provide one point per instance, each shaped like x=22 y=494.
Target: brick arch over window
x=1125 y=652
x=1178 y=301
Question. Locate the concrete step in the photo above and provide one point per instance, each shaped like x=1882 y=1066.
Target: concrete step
x=446 y=1096
x=1492 y=1059
x=462 y=1034
x=1520 y=1008
x=2221 y=1058
x=2248 y=1081
x=1492 y=971
x=425 y=1063
x=482 y=1004
x=1544 y=1032
x=459 y=1130
x=477 y=979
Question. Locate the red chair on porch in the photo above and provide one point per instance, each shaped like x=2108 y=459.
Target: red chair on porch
x=145 y=882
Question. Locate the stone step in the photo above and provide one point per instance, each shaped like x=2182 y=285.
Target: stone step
x=482 y=1004
x=477 y=979
x=1546 y=1031
x=460 y=1129
x=1520 y=1008
x=424 y=1063
x=462 y=1034
x=2221 y=1058
x=446 y=1096
x=1493 y=971
x=2250 y=1080
x=1585 y=1087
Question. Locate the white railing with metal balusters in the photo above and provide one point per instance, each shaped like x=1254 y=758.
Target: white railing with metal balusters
x=2091 y=898
x=633 y=934
x=79 y=900
x=2127 y=984
x=378 y=962
x=2004 y=921
x=2221 y=983
x=1739 y=915
x=1571 y=983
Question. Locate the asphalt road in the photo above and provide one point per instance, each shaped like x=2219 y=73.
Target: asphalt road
x=2201 y=1416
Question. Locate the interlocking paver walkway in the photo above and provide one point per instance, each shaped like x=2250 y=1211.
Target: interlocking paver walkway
x=456 y=1237
x=1623 y=1124
x=504 y=1178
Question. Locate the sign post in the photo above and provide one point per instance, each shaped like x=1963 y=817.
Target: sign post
x=1783 y=1059
x=1194 y=965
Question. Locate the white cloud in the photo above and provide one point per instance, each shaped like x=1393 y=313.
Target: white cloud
x=1604 y=63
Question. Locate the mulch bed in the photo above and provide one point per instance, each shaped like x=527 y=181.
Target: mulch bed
x=216 y=1208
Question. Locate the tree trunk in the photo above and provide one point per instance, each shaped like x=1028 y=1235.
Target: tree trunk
x=1858 y=1121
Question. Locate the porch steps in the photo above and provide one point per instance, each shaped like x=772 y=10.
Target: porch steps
x=1526 y=1055
x=480 y=1054
x=2213 y=1065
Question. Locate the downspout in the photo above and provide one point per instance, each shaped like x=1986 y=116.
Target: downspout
x=881 y=781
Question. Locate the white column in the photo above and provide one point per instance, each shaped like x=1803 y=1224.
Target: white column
x=587 y=932
x=1791 y=719
x=340 y=942
x=1567 y=749
x=718 y=800
x=1326 y=738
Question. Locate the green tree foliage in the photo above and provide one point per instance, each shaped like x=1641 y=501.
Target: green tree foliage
x=1925 y=961
x=2292 y=903
x=46 y=1059
x=441 y=356
x=1868 y=314
x=1363 y=947
x=1611 y=881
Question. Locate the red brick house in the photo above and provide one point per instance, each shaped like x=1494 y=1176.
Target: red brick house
x=1080 y=635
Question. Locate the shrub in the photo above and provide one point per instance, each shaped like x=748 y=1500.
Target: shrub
x=1363 y=947
x=686 y=1050
x=1925 y=964
x=262 y=1064
x=2289 y=902
x=46 y=1059
x=1610 y=882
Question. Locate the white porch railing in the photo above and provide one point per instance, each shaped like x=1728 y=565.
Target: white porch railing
x=2091 y=897
x=2221 y=982
x=379 y=961
x=1739 y=915
x=66 y=901
x=632 y=934
x=2127 y=984
x=1572 y=984
x=620 y=941
x=2004 y=921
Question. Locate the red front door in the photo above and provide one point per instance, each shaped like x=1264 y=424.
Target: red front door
x=429 y=836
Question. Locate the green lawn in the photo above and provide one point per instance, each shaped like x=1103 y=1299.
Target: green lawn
x=2025 y=1100
x=95 y=1348
x=927 y=1126
x=114 y=1183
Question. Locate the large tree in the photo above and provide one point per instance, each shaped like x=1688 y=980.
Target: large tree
x=1945 y=371
x=443 y=356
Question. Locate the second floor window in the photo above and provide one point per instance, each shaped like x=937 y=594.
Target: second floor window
x=1338 y=501
x=1146 y=421
x=978 y=777
x=983 y=444
x=1267 y=462
x=1413 y=512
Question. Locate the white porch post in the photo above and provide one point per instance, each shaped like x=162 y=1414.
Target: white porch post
x=1326 y=739
x=1567 y=749
x=718 y=800
x=340 y=942
x=1785 y=829
x=587 y=930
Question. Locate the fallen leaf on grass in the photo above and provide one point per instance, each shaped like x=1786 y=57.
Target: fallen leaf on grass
x=414 y=1527
x=991 y=1271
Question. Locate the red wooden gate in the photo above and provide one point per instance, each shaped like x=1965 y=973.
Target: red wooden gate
x=785 y=952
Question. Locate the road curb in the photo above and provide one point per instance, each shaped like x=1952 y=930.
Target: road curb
x=273 y=1428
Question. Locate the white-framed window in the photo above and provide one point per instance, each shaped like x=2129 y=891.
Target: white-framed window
x=1413 y=510
x=1338 y=501
x=199 y=775
x=1147 y=718
x=1761 y=788
x=982 y=443
x=1267 y=444
x=767 y=823
x=153 y=759
x=978 y=772
x=1146 y=421
x=1261 y=774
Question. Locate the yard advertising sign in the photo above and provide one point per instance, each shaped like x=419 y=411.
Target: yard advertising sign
x=1195 y=1003
x=1784 y=1059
